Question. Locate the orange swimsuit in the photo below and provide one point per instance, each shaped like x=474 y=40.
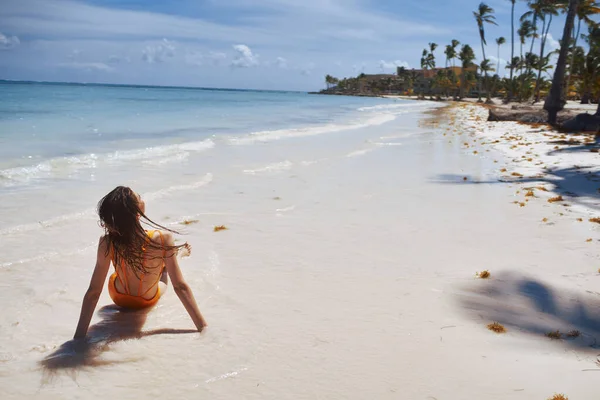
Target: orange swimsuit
x=127 y=300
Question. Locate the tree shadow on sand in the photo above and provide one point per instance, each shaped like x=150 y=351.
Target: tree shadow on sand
x=535 y=308
x=574 y=182
x=117 y=324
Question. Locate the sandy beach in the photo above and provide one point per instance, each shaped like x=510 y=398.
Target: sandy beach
x=348 y=270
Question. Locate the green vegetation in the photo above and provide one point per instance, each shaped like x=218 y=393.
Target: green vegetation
x=575 y=75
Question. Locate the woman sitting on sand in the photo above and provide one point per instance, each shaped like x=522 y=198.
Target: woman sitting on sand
x=141 y=259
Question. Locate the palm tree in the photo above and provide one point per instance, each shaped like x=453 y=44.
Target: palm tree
x=484 y=15
x=586 y=9
x=512 y=45
x=485 y=67
x=589 y=78
x=450 y=53
x=525 y=32
x=534 y=13
x=328 y=80
x=466 y=56
x=431 y=56
x=547 y=10
x=500 y=41
x=455 y=43
x=556 y=100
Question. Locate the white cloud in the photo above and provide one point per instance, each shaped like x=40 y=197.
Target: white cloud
x=392 y=65
x=199 y=59
x=158 y=53
x=552 y=43
x=244 y=57
x=87 y=66
x=281 y=62
x=8 y=42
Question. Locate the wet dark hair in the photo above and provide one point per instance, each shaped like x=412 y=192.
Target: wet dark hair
x=120 y=215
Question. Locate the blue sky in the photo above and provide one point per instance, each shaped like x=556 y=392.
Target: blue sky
x=262 y=44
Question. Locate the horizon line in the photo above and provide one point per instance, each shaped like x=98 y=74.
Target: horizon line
x=20 y=81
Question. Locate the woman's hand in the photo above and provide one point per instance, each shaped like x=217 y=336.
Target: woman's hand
x=186 y=250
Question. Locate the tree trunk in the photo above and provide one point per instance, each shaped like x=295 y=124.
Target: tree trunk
x=572 y=59
x=485 y=72
x=556 y=101
x=539 y=75
x=586 y=97
x=535 y=18
x=512 y=50
x=498 y=66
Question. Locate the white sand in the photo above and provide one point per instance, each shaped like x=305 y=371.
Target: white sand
x=348 y=271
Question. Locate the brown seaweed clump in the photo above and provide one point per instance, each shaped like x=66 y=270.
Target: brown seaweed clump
x=545 y=220
x=219 y=228
x=529 y=194
x=580 y=219
x=518 y=175
x=556 y=335
x=503 y=170
x=484 y=274
x=555 y=199
x=558 y=397
x=189 y=221
x=596 y=220
x=573 y=334
x=543 y=189
x=589 y=240
x=496 y=327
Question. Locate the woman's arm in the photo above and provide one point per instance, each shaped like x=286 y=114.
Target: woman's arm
x=181 y=288
x=95 y=289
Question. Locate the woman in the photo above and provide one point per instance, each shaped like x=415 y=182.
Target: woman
x=142 y=260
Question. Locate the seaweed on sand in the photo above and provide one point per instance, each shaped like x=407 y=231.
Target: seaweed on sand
x=555 y=335
x=496 y=327
x=483 y=274
x=558 y=397
x=555 y=199
x=573 y=334
x=219 y=228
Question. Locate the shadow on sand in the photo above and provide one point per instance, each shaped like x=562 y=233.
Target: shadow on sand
x=117 y=324
x=536 y=308
x=573 y=182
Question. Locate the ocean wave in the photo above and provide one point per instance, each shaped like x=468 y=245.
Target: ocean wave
x=72 y=164
x=90 y=213
x=275 y=167
x=268 y=136
x=399 y=106
x=358 y=153
x=206 y=179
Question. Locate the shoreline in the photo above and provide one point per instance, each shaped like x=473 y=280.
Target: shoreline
x=536 y=154
x=347 y=269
